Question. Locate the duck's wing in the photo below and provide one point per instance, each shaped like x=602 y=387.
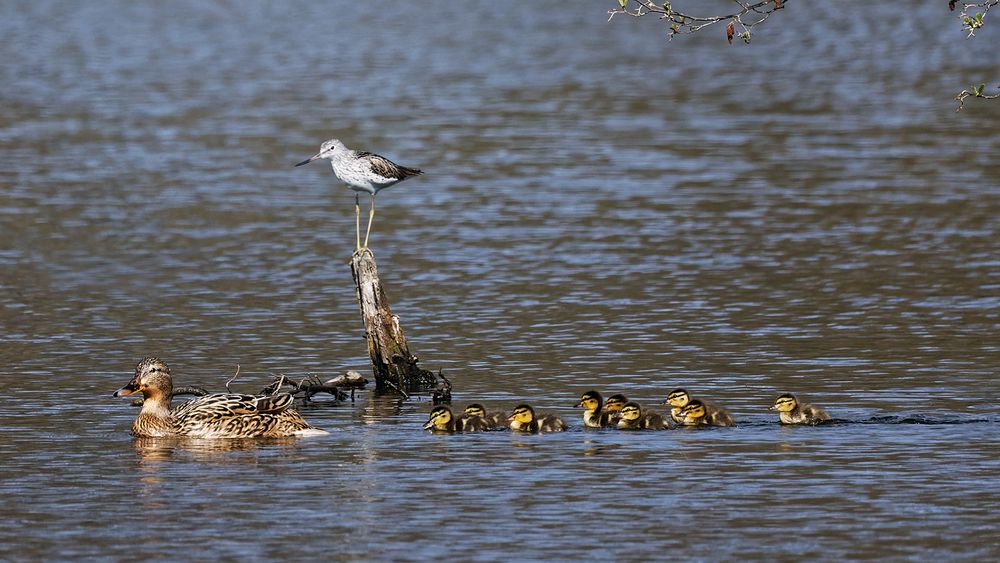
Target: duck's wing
x=224 y=405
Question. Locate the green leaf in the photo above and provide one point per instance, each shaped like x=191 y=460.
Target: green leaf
x=978 y=91
x=623 y=3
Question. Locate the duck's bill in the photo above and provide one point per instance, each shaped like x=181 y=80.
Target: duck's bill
x=129 y=389
x=308 y=160
x=774 y=408
x=428 y=425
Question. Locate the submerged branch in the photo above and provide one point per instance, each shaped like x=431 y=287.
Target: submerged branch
x=312 y=385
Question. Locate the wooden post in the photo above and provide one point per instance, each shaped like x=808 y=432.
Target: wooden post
x=394 y=367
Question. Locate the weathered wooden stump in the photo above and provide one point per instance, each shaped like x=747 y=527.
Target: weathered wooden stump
x=394 y=367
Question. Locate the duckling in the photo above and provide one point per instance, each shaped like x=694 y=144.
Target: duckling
x=632 y=418
x=493 y=420
x=698 y=413
x=593 y=415
x=523 y=419
x=791 y=411
x=677 y=399
x=219 y=415
x=442 y=420
x=613 y=406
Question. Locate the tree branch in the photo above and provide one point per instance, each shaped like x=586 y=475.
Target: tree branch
x=748 y=16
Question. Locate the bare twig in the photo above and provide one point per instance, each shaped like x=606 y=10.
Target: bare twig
x=233 y=378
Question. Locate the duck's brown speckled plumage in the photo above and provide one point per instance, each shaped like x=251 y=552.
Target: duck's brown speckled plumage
x=220 y=415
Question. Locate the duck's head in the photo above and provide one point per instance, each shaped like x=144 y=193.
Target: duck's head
x=522 y=414
x=475 y=409
x=152 y=378
x=326 y=150
x=615 y=402
x=785 y=402
x=677 y=398
x=693 y=412
x=591 y=401
x=631 y=411
x=439 y=418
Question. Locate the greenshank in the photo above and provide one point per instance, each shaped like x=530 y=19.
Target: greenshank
x=362 y=172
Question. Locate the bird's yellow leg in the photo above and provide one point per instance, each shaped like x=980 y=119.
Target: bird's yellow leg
x=371 y=215
x=357 y=223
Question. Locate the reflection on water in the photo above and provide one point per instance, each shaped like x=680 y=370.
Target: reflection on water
x=599 y=210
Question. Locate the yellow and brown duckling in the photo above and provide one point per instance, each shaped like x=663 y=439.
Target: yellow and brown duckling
x=523 y=419
x=633 y=418
x=219 y=415
x=493 y=420
x=443 y=420
x=677 y=399
x=594 y=415
x=699 y=413
x=613 y=406
x=791 y=411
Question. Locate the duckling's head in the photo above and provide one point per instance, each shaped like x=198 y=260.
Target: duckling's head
x=785 y=402
x=615 y=402
x=631 y=411
x=439 y=418
x=475 y=409
x=693 y=412
x=152 y=378
x=678 y=398
x=591 y=401
x=522 y=414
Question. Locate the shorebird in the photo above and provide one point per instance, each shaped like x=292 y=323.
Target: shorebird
x=362 y=172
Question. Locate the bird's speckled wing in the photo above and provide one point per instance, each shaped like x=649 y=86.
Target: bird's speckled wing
x=233 y=415
x=386 y=168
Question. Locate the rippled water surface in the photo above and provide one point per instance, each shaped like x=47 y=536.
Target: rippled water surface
x=600 y=209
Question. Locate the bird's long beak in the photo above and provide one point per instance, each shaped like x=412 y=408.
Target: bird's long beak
x=308 y=160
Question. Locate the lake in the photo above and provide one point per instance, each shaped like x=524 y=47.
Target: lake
x=600 y=209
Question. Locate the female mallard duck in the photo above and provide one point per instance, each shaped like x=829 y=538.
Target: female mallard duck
x=441 y=419
x=220 y=415
x=699 y=413
x=633 y=418
x=791 y=411
x=523 y=419
x=493 y=420
x=593 y=413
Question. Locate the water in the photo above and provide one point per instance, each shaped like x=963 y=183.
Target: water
x=600 y=209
